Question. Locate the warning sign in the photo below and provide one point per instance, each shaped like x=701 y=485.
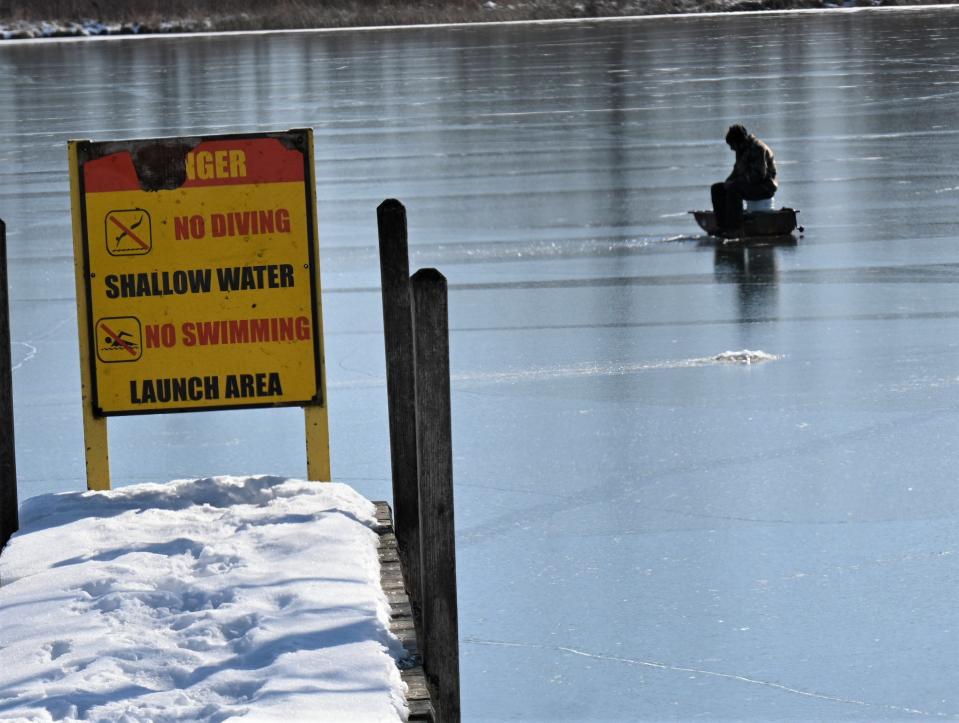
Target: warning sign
x=118 y=339
x=128 y=232
x=200 y=272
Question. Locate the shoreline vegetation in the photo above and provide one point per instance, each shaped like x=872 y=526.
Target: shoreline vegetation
x=70 y=18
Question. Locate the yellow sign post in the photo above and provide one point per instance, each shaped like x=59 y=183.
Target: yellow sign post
x=198 y=284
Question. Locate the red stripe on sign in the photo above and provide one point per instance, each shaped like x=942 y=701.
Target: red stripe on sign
x=229 y=163
x=211 y=163
x=110 y=173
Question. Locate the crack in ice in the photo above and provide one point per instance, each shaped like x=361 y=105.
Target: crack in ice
x=31 y=349
x=712 y=673
x=744 y=357
x=31 y=352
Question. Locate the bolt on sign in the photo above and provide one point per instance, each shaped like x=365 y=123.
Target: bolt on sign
x=198 y=274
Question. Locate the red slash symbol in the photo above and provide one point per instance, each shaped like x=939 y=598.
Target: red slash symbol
x=115 y=340
x=129 y=232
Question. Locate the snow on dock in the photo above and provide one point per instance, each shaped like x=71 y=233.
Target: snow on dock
x=203 y=600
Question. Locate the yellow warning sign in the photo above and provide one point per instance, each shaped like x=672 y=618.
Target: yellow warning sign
x=200 y=268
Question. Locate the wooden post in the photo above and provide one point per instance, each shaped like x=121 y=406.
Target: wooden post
x=316 y=416
x=9 y=516
x=95 y=431
x=398 y=336
x=434 y=455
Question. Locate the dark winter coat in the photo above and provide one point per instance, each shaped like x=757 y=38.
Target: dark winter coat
x=755 y=165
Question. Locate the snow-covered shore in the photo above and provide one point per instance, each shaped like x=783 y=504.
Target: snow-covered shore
x=228 y=598
x=25 y=28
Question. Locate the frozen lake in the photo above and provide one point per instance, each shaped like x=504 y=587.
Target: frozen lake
x=643 y=532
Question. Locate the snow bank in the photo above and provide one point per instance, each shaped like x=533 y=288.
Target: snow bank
x=31 y=29
x=250 y=598
x=744 y=356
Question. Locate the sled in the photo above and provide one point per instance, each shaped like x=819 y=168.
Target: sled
x=778 y=222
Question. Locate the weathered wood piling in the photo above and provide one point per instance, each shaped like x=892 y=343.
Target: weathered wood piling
x=416 y=333
x=9 y=517
x=400 y=392
x=434 y=460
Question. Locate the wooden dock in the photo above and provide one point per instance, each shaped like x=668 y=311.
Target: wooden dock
x=401 y=618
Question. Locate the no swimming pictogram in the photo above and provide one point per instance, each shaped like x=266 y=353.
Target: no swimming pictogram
x=128 y=232
x=119 y=339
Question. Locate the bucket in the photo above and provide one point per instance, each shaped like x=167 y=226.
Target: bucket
x=765 y=204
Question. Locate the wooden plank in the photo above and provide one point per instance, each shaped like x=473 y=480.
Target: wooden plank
x=434 y=461
x=398 y=340
x=9 y=515
x=401 y=624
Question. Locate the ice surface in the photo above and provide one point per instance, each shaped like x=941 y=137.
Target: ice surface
x=792 y=522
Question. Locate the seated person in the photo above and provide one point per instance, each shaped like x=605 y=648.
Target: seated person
x=753 y=178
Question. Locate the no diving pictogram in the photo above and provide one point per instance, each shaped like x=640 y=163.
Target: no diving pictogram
x=119 y=339
x=129 y=232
